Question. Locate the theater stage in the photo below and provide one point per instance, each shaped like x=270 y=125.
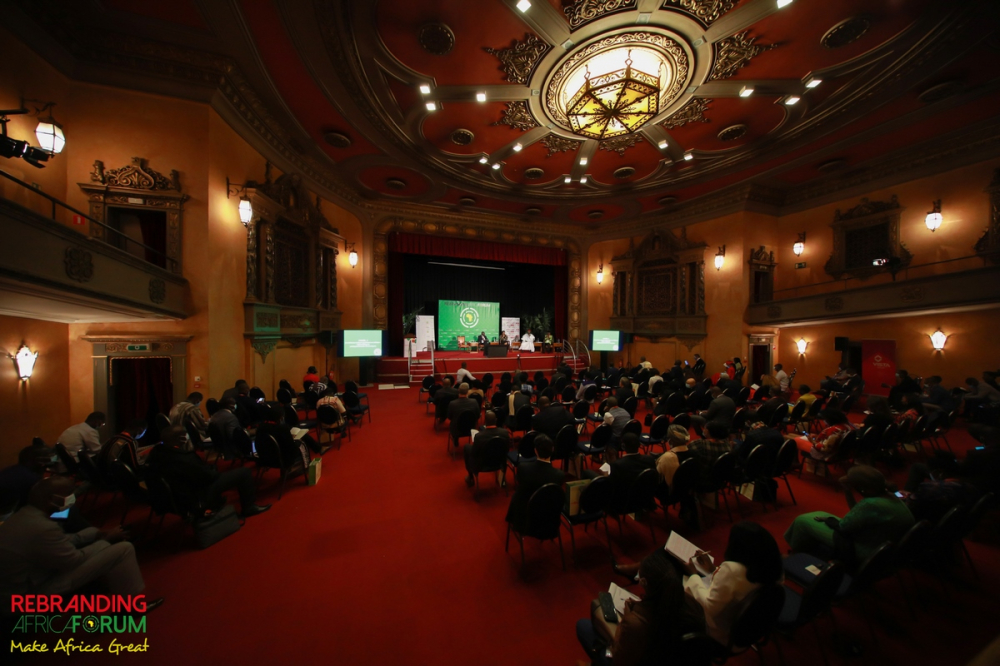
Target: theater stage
x=392 y=369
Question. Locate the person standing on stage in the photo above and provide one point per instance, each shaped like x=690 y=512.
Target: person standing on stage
x=528 y=342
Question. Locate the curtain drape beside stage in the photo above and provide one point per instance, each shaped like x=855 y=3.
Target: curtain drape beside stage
x=559 y=292
x=461 y=248
x=395 y=314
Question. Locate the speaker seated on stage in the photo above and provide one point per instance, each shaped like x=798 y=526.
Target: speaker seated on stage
x=527 y=342
x=483 y=340
x=547 y=342
x=503 y=338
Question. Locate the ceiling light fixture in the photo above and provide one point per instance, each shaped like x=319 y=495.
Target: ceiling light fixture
x=484 y=159
x=432 y=106
x=689 y=156
x=583 y=180
x=746 y=91
x=662 y=145
x=425 y=89
x=720 y=257
x=480 y=97
x=799 y=246
x=934 y=219
x=25 y=361
x=813 y=82
x=791 y=100
x=614 y=103
x=496 y=165
x=784 y=3
x=523 y=5
x=517 y=147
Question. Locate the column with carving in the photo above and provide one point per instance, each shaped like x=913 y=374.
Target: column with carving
x=331 y=267
x=267 y=238
x=701 y=287
x=320 y=277
x=252 y=284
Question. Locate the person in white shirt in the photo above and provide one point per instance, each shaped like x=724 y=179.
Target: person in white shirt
x=528 y=342
x=84 y=434
x=463 y=376
x=781 y=377
x=752 y=560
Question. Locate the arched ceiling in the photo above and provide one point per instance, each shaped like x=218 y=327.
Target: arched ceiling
x=343 y=81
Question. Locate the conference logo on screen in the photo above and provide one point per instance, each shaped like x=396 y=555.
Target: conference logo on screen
x=50 y=623
x=469 y=317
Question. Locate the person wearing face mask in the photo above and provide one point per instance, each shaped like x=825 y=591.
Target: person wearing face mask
x=37 y=557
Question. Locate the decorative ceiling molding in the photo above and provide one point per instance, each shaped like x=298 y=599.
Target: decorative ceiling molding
x=519 y=59
x=846 y=32
x=706 y=11
x=692 y=112
x=585 y=11
x=517 y=116
x=734 y=53
x=620 y=144
x=557 y=144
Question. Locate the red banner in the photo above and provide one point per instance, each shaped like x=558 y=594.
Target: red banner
x=878 y=365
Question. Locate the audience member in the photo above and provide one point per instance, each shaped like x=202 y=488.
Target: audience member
x=289 y=446
x=473 y=452
x=17 y=480
x=698 y=369
x=123 y=446
x=708 y=450
x=225 y=421
x=463 y=403
x=443 y=398
x=331 y=398
x=758 y=434
x=241 y=386
x=904 y=386
x=781 y=377
x=933 y=489
x=824 y=445
x=616 y=417
x=806 y=395
x=187 y=413
x=83 y=435
x=879 y=415
x=667 y=464
x=197 y=485
x=979 y=394
x=878 y=517
x=550 y=418
x=767 y=410
x=936 y=398
x=516 y=400
x=624 y=391
x=625 y=469
x=721 y=410
x=912 y=409
x=532 y=475
x=463 y=376
x=312 y=375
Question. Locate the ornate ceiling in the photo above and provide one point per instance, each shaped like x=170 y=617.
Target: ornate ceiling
x=343 y=91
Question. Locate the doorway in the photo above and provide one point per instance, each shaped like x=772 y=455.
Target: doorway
x=139 y=389
x=760 y=362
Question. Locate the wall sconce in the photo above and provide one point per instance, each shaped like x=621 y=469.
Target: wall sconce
x=934 y=219
x=49 y=133
x=600 y=274
x=25 y=360
x=938 y=338
x=720 y=258
x=352 y=254
x=800 y=246
x=246 y=208
x=801 y=345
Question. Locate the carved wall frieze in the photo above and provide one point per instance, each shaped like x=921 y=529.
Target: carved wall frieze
x=734 y=53
x=833 y=304
x=252 y=284
x=264 y=347
x=304 y=322
x=865 y=208
x=517 y=116
x=519 y=59
x=692 y=112
x=79 y=264
x=585 y=11
x=557 y=144
x=620 y=143
x=157 y=290
x=911 y=294
x=136 y=176
x=266 y=320
x=706 y=11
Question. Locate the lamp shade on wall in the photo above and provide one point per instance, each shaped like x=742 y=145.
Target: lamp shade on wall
x=801 y=345
x=50 y=136
x=934 y=218
x=938 y=338
x=600 y=274
x=25 y=360
x=246 y=211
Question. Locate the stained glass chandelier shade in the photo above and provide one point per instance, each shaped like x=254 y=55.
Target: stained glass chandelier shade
x=615 y=103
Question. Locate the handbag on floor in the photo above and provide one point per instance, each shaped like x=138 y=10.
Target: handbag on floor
x=315 y=471
x=215 y=527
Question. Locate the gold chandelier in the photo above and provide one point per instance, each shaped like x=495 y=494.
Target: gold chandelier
x=615 y=103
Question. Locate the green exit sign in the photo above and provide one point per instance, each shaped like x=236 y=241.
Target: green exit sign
x=137 y=348
x=801 y=264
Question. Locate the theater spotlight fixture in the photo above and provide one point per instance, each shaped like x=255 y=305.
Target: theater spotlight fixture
x=934 y=219
x=246 y=209
x=352 y=254
x=600 y=274
x=25 y=360
x=801 y=345
x=720 y=258
x=49 y=134
x=938 y=338
x=800 y=245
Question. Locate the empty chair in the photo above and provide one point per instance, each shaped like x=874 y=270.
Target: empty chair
x=755 y=619
x=269 y=456
x=721 y=477
x=522 y=419
x=125 y=479
x=599 y=440
x=565 y=444
x=543 y=519
x=598 y=415
x=786 y=461
x=72 y=466
x=355 y=410
x=463 y=426
x=580 y=410
x=683 y=420
x=633 y=427
x=525 y=451
x=640 y=499
x=657 y=433
x=594 y=499
x=352 y=386
x=568 y=395
x=631 y=406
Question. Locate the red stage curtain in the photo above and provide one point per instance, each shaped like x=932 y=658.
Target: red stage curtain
x=143 y=388
x=462 y=248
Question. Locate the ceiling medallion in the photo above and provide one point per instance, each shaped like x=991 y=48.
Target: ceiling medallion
x=466 y=201
x=595 y=214
x=337 y=139
x=436 y=38
x=846 y=32
x=614 y=103
x=620 y=144
x=558 y=144
x=516 y=115
x=517 y=60
x=940 y=91
x=584 y=11
x=534 y=173
x=706 y=11
x=693 y=111
x=655 y=55
x=667 y=200
x=734 y=53
x=733 y=132
x=462 y=137
x=395 y=183
x=624 y=172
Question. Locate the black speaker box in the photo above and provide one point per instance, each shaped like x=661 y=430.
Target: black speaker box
x=841 y=344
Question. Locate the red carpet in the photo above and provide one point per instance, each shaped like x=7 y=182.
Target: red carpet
x=390 y=561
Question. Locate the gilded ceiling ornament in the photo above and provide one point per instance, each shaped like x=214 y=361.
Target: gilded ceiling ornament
x=734 y=53
x=519 y=58
x=584 y=11
x=693 y=111
x=516 y=115
x=706 y=11
x=558 y=144
x=619 y=144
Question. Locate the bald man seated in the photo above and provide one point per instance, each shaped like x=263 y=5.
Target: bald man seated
x=37 y=557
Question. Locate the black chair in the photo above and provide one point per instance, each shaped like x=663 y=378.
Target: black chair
x=163 y=502
x=72 y=466
x=590 y=394
x=796 y=416
x=739 y=421
x=565 y=444
x=331 y=424
x=755 y=619
x=673 y=405
x=243 y=446
x=580 y=410
x=568 y=395
x=633 y=427
x=498 y=400
x=542 y=519
x=721 y=477
x=815 y=600
x=593 y=500
x=599 y=441
x=631 y=406
x=757 y=470
x=777 y=419
x=487 y=383
x=683 y=420
x=598 y=415
x=640 y=499
x=125 y=479
x=505 y=378
x=842 y=455
x=463 y=426
x=91 y=473
x=525 y=451
x=522 y=419
x=908 y=551
x=811 y=417
x=493 y=458
x=352 y=387
x=786 y=461
x=695 y=649
x=161 y=422
x=355 y=410
x=868 y=444
x=683 y=485
x=743 y=397
x=269 y=456
x=657 y=433
x=425 y=386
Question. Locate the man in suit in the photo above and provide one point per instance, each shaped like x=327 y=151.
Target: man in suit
x=463 y=403
x=38 y=557
x=532 y=475
x=443 y=398
x=721 y=410
x=624 y=391
x=224 y=420
x=626 y=469
x=197 y=483
x=550 y=418
x=282 y=434
x=474 y=451
x=699 y=367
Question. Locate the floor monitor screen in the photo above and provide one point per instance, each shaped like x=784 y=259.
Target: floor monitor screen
x=605 y=341
x=362 y=343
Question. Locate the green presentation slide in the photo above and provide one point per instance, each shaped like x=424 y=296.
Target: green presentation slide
x=606 y=340
x=466 y=318
x=362 y=343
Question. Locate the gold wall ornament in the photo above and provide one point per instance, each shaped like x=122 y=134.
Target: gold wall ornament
x=518 y=59
x=517 y=116
x=706 y=11
x=264 y=347
x=157 y=290
x=557 y=144
x=136 y=176
x=692 y=112
x=619 y=144
x=734 y=53
x=79 y=264
x=584 y=11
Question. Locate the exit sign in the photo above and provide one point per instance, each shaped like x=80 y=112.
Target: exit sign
x=79 y=219
x=801 y=264
x=137 y=348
